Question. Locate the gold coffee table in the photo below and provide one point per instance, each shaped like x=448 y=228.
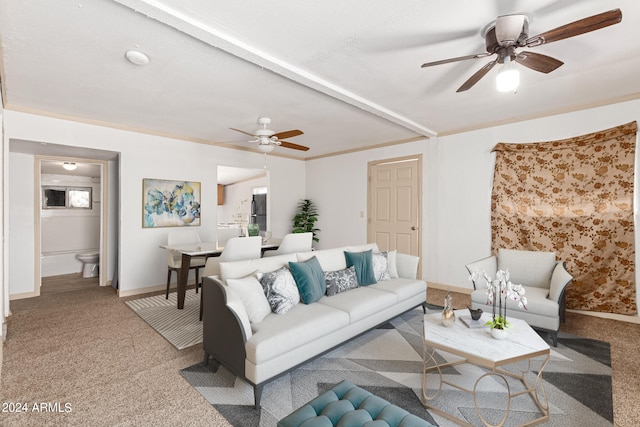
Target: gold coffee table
x=478 y=347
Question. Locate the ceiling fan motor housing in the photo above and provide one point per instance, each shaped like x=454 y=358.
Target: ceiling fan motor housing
x=508 y=30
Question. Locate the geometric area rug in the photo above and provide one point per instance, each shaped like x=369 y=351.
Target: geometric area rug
x=182 y=328
x=387 y=361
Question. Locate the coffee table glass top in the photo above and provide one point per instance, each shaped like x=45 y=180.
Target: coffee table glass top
x=478 y=346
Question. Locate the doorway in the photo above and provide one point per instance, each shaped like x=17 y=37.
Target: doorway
x=395 y=205
x=66 y=228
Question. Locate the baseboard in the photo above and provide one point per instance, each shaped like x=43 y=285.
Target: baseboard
x=444 y=287
x=140 y=291
x=23 y=295
x=629 y=318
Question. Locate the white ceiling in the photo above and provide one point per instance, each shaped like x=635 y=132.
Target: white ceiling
x=346 y=73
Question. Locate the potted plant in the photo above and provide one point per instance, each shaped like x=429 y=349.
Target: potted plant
x=498 y=290
x=305 y=218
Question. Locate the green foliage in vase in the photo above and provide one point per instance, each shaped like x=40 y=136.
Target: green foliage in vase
x=305 y=218
x=498 y=322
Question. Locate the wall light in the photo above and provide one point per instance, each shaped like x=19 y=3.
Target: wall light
x=508 y=78
x=70 y=166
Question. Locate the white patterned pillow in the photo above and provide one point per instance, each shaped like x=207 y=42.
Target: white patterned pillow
x=340 y=280
x=381 y=266
x=280 y=289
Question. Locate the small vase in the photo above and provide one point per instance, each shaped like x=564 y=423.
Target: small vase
x=448 y=316
x=499 y=334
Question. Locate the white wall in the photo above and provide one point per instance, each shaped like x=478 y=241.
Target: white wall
x=457 y=175
x=142 y=264
x=21 y=219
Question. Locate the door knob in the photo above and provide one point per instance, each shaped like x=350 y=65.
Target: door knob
x=414 y=228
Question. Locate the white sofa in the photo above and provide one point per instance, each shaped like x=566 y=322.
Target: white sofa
x=261 y=351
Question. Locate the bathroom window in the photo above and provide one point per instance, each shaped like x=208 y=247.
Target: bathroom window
x=66 y=197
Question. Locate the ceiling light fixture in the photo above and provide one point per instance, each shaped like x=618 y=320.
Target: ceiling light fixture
x=265 y=148
x=508 y=78
x=136 y=57
x=70 y=166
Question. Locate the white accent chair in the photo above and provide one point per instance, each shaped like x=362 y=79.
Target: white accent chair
x=544 y=279
x=226 y=233
x=292 y=243
x=188 y=238
x=236 y=249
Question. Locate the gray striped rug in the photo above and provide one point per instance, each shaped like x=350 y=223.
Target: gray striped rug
x=182 y=328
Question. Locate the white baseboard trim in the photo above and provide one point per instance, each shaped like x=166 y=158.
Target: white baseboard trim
x=140 y=291
x=444 y=287
x=23 y=295
x=630 y=318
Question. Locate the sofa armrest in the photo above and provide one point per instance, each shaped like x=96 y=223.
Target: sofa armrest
x=489 y=265
x=223 y=331
x=559 y=281
x=407 y=265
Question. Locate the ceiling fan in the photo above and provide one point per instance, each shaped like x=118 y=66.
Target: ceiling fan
x=267 y=139
x=510 y=32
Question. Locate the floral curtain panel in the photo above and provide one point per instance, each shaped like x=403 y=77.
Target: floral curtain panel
x=574 y=197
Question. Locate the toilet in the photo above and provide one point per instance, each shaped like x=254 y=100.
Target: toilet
x=90 y=262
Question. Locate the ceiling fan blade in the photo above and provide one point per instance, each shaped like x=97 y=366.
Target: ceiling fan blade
x=477 y=76
x=538 y=62
x=576 y=28
x=241 y=131
x=293 y=146
x=459 y=58
x=287 y=134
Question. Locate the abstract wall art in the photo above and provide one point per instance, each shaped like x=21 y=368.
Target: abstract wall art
x=167 y=203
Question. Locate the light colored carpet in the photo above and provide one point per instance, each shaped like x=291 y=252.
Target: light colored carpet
x=388 y=362
x=182 y=328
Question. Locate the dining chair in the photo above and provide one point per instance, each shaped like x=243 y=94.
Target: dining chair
x=291 y=243
x=236 y=249
x=226 y=233
x=174 y=258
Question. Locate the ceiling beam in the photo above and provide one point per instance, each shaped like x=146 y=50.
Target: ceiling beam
x=207 y=33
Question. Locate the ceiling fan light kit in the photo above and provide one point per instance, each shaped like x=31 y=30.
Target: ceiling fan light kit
x=509 y=32
x=508 y=79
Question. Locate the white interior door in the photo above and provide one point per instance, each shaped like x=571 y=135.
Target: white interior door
x=395 y=204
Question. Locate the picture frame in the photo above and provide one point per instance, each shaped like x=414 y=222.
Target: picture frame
x=170 y=203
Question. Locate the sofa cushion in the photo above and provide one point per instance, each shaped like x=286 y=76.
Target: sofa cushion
x=380 y=264
x=277 y=335
x=250 y=292
x=238 y=269
x=330 y=259
x=402 y=288
x=309 y=279
x=340 y=281
x=537 y=302
x=361 y=302
x=363 y=262
x=528 y=268
x=280 y=288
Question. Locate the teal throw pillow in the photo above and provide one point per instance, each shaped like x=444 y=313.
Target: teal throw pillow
x=363 y=263
x=309 y=279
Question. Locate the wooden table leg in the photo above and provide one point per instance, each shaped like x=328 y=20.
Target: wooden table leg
x=182 y=281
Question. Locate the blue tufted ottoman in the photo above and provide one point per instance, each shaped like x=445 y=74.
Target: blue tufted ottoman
x=347 y=405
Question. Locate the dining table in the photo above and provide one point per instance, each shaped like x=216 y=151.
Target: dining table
x=204 y=249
